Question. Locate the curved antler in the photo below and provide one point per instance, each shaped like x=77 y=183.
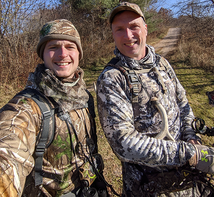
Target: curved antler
x=165 y=128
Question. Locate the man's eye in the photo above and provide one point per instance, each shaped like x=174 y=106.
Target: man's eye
x=118 y=30
x=71 y=47
x=134 y=27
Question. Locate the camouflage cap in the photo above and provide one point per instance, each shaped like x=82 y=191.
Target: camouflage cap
x=125 y=6
x=61 y=29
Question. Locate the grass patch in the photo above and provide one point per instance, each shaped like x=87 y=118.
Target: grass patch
x=94 y=71
x=7 y=92
x=196 y=82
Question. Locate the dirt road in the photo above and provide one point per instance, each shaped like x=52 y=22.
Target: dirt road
x=168 y=43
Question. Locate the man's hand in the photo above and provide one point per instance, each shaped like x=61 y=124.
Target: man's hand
x=194 y=142
x=203 y=160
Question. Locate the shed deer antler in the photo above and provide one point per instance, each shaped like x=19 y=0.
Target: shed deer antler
x=165 y=128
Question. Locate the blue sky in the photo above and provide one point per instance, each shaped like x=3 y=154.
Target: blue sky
x=169 y=3
x=166 y=4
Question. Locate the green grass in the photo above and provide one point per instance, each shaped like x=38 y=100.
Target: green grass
x=197 y=82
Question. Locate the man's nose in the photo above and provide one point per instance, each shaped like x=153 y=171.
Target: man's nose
x=63 y=52
x=128 y=33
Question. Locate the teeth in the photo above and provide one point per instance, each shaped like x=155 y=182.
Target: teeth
x=131 y=44
x=62 y=64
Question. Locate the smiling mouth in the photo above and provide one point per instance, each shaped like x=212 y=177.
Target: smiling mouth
x=130 y=44
x=62 y=63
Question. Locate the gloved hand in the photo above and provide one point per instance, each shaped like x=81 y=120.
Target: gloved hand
x=204 y=159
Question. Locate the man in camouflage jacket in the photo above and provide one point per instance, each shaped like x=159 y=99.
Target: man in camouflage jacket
x=149 y=165
x=60 y=79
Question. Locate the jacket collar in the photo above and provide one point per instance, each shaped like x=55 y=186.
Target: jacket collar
x=69 y=94
x=147 y=62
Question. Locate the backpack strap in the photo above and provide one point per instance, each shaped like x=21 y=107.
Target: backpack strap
x=44 y=139
x=164 y=65
x=132 y=77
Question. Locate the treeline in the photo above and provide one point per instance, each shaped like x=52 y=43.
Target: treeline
x=197 y=42
x=21 y=20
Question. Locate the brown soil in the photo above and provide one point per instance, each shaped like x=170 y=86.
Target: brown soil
x=169 y=42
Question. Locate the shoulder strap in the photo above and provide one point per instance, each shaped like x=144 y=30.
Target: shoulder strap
x=164 y=64
x=44 y=139
x=132 y=78
x=130 y=75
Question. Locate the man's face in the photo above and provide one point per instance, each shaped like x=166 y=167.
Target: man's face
x=61 y=56
x=129 y=33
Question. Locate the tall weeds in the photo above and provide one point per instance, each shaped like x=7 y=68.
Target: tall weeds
x=197 y=42
x=196 y=55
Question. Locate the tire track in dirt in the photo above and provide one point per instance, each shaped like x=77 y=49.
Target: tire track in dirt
x=169 y=42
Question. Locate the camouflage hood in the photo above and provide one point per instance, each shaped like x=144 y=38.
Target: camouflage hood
x=147 y=62
x=69 y=94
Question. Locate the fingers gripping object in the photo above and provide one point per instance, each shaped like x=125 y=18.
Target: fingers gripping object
x=165 y=128
x=205 y=158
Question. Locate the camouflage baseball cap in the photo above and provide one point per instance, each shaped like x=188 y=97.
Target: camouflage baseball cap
x=125 y=6
x=61 y=29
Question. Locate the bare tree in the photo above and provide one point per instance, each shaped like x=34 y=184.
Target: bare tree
x=19 y=23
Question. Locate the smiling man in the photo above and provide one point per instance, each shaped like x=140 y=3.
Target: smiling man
x=51 y=152
x=129 y=33
x=62 y=57
x=146 y=116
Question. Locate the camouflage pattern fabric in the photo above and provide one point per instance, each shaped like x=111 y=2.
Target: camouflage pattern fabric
x=20 y=122
x=131 y=128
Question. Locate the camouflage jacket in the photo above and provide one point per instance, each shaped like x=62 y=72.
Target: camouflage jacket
x=20 y=123
x=131 y=128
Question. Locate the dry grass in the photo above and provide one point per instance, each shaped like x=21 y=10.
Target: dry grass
x=112 y=171
x=7 y=92
x=196 y=80
x=196 y=55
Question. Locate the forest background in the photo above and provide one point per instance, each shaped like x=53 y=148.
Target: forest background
x=193 y=59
